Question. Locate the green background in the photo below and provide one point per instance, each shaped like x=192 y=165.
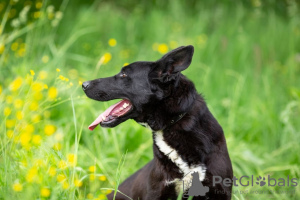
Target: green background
x=246 y=64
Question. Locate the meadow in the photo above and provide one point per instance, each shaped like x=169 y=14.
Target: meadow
x=246 y=65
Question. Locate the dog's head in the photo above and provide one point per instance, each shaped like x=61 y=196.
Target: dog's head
x=140 y=85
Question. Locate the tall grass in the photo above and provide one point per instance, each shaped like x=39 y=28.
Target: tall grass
x=246 y=64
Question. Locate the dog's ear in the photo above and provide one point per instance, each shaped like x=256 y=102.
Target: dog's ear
x=174 y=62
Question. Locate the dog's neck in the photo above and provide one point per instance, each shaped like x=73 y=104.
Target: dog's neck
x=174 y=107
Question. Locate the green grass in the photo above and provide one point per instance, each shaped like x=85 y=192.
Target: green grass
x=246 y=64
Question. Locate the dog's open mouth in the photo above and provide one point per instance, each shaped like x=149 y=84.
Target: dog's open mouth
x=112 y=113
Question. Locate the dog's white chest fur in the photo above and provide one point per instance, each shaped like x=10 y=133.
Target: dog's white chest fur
x=181 y=164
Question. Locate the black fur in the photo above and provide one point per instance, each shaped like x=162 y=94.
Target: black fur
x=159 y=92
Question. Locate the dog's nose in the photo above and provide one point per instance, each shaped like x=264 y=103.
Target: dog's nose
x=85 y=85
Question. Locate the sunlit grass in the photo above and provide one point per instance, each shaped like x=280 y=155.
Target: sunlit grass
x=246 y=64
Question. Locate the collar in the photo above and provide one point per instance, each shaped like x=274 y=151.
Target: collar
x=174 y=120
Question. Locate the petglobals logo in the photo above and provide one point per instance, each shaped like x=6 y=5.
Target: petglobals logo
x=194 y=187
x=260 y=181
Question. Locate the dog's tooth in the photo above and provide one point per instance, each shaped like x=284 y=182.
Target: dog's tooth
x=103 y=117
x=125 y=105
x=121 y=108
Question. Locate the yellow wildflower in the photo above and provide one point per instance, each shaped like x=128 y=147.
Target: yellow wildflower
x=92 y=177
x=14 y=46
x=27 y=146
x=256 y=3
x=0 y=89
x=61 y=77
x=9 y=99
x=49 y=129
x=112 y=42
x=35 y=118
x=38 y=96
x=125 y=64
x=52 y=171
x=71 y=84
x=50 y=15
x=102 y=196
x=57 y=69
x=45 y=192
x=162 y=48
x=24 y=163
x=16 y=84
x=39 y=163
x=25 y=138
x=37 y=87
x=19 y=115
x=43 y=75
x=31 y=175
x=57 y=146
x=61 y=177
x=108 y=191
x=37 y=15
x=78 y=183
x=36 y=139
x=92 y=168
x=34 y=106
x=2 y=48
x=52 y=93
x=45 y=59
x=10 y=123
x=62 y=164
x=32 y=72
x=102 y=178
x=45 y=86
x=89 y=196
x=38 y=5
x=18 y=103
x=10 y=133
x=65 y=185
x=6 y=111
x=17 y=187
x=80 y=82
x=106 y=58
x=21 y=52
x=66 y=79
x=72 y=159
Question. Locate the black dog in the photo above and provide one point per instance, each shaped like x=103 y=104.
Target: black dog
x=187 y=138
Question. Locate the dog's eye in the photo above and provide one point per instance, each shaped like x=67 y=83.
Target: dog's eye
x=123 y=75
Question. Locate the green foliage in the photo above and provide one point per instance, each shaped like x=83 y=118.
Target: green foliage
x=246 y=64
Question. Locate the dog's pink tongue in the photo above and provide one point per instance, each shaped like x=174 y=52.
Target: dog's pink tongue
x=105 y=114
x=101 y=117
